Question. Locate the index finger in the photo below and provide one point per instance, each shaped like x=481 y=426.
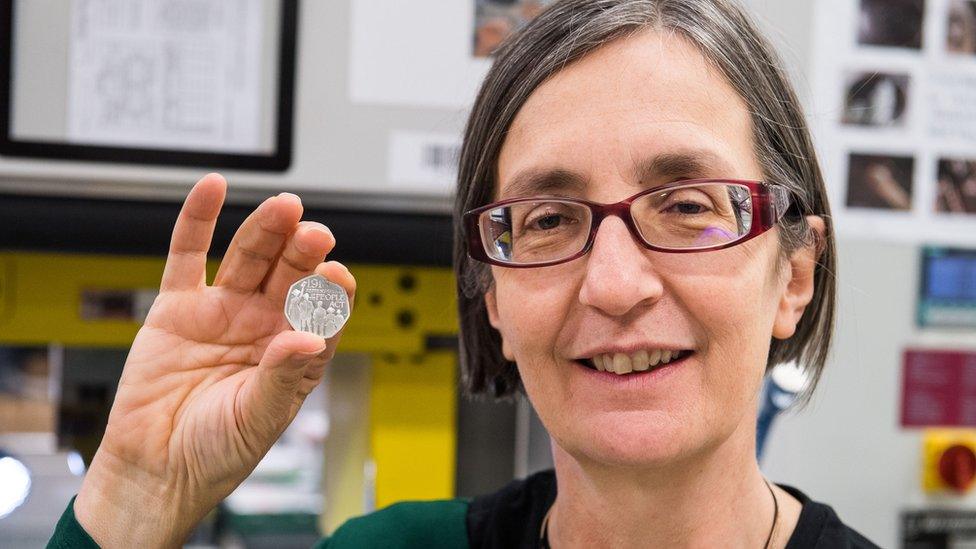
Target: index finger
x=186 y=264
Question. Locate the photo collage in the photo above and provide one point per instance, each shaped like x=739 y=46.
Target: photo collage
x=879 y=99
x=495 y=20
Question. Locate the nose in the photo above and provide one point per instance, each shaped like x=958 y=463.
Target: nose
x=619 y=275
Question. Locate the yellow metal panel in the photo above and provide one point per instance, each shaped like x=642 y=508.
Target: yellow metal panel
x=6 y=288
x=40 y=301
x=412 y=414
x=43 y=296
x=398 y=307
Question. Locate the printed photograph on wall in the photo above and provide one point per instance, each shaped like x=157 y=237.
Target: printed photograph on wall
x=956 y=186
x=495 y=20
x=961 y=27
x=876 y=99
x=891 y=23
x=880 y=182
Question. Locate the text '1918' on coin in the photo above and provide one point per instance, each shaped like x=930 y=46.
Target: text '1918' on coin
x=317 y=306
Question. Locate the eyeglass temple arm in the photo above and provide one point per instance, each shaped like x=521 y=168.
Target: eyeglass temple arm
x=779 y=203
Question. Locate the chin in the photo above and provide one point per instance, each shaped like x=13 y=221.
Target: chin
x=640 y=440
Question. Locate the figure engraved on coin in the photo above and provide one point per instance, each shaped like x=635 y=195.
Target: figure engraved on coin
x=317 y=306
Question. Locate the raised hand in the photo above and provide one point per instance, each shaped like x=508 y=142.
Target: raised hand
x=213 y=377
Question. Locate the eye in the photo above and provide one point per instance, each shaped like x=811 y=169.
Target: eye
x=686 y=205
x=549 y=217
x=546 y=222
x=688 y=208
x=688 y=201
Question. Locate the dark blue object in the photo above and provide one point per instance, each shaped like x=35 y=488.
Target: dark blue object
x=775 y=399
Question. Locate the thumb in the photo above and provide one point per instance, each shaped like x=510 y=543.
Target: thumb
x=268 y=397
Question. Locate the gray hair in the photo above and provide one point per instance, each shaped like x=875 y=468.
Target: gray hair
x=731 y=41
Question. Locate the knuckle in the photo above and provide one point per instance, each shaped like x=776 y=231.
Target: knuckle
x=298 y=262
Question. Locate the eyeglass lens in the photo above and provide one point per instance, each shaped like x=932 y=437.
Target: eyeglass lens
x=696 y=216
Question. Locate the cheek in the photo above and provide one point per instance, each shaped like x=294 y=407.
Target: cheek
x=733 y=304
x=533 y=305
x=730 y=291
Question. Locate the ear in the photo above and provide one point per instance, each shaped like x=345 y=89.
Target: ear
x=799 y=288
x=491 y=305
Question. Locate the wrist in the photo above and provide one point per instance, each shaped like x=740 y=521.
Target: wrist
x=119 y=505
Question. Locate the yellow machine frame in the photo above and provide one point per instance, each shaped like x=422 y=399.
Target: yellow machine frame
x=412 y=434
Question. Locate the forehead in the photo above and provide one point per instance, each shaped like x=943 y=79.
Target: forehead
x=623 y=106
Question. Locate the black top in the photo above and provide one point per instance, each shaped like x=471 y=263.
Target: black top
x=512 y=517
x=509 y=518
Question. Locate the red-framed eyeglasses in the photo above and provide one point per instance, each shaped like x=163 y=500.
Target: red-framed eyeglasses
x=695 y=215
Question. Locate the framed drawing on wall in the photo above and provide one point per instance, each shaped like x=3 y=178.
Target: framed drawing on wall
x=168 y=83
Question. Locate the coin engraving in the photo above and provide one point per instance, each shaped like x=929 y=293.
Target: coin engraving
x=317 y=306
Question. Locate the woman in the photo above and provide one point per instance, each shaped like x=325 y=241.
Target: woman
x=610 y=139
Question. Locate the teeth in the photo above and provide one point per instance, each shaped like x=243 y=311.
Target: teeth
x=654 y=357
x=640 y=361
x=621 y=364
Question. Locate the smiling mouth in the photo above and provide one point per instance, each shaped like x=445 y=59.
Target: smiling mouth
x=634 y=363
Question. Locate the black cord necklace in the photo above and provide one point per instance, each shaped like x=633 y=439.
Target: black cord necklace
x=772 y=528
x=544 y=531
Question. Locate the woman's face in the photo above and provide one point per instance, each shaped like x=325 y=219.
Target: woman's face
x=639 y=112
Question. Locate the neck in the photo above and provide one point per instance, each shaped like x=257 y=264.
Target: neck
x=704 y=501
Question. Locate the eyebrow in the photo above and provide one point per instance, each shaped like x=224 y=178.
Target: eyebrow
x=534 y=181
x=691 y=164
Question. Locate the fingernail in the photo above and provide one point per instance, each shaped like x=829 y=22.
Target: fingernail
x=312 y=354
x=302 y=244
x=290 y=196
x=318 y=227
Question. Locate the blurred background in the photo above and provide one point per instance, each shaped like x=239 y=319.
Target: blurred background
x=111 y=109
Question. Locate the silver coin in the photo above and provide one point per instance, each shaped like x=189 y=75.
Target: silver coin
x=317 y=306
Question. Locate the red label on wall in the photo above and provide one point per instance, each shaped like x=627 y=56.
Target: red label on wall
x=938 y=389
